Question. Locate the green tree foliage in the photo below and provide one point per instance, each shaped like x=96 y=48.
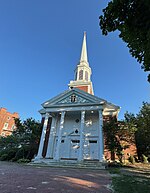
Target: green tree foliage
x=141 y=124
x=110 y=129
x=143 y=131
x=132 y=19
x=117 y=137
x=23 y=143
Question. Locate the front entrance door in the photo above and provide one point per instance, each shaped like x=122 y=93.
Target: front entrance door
x=93 y=149
x=74 y=149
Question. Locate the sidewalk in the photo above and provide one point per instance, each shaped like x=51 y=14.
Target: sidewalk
x=16 y=178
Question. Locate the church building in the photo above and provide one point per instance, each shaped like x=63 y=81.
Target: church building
x=73 y=120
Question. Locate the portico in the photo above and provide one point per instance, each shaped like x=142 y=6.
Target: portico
x=74 y=135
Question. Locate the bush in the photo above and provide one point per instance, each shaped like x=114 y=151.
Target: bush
x=20 y=154
x=4 y=157
x=114 y=164
x=131 y=159
x=23 y=160
x=7 y=154
x=145 y=159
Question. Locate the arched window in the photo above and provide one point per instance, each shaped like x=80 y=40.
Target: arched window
x=86 y=75
x=80 y=74
x=76 y=76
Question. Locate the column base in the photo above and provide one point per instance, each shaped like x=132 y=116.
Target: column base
x=37 y=158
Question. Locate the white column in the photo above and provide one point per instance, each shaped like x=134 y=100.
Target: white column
x=101 y=142
x=40 y=150
x=51 y=138
x=57 y=156
x=81 y=136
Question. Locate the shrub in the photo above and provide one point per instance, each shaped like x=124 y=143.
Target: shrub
x=145 y=159
x=23 y=160
x=114 y=164
x=3 y=157
x=131 y=159
x=7 y=154
x=20 y=154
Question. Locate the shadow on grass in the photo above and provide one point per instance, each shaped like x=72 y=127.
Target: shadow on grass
x=128 y=179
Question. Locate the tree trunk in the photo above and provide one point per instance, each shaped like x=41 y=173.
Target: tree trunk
x=112 y=155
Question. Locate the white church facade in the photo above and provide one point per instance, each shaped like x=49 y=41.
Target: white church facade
x=73 y=120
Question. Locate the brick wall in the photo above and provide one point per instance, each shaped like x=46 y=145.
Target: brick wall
x=7 y=123
x=84 y=88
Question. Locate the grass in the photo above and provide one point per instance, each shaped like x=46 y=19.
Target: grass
x=126 y=180
x=130 y=184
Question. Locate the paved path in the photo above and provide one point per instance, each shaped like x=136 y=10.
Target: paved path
x=16 y=178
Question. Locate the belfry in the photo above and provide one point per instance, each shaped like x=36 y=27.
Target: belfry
x=83 y=72
x=73 y=120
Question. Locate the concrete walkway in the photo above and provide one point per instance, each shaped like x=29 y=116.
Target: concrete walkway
x=16 y=178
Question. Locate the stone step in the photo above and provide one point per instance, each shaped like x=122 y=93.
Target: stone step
x=69 y=164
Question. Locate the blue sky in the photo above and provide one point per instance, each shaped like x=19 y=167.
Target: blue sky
x=40 y=45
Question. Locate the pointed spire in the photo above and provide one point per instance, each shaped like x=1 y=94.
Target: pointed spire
x=83 y=57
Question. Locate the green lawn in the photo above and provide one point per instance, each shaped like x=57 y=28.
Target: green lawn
x=124 y=181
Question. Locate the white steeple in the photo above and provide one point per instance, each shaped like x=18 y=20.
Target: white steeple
x=83 y=71
x=84 y=57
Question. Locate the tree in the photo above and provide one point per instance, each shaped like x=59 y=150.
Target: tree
x=28 y=134
x=132 y=19
x=23 y=143
x=110 y=129
x=118 y=137
x=140 y=123
x=143 y=131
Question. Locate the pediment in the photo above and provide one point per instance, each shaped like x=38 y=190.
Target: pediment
x=72 y=98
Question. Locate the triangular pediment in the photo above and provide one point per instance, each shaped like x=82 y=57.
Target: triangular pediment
x=72 y=98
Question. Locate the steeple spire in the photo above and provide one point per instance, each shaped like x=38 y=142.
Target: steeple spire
x=84 y=57
x=83 y=72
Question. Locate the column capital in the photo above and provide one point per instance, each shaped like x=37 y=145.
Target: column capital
x=47 y=115
x=100 y=112
x=62 y=113
x=83 y=112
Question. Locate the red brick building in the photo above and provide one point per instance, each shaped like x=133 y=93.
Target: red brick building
x=7 y=123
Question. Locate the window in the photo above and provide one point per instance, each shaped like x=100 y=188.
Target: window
x=13 y=127
x=76 y=131
x=73 y=98
x=80 y=74
x=3 y=134
x=92 y=141
x=5 y=126
x=77 y=120
x=62 y=141
x=86 y=75
x=76 y=76
x=75 y=141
